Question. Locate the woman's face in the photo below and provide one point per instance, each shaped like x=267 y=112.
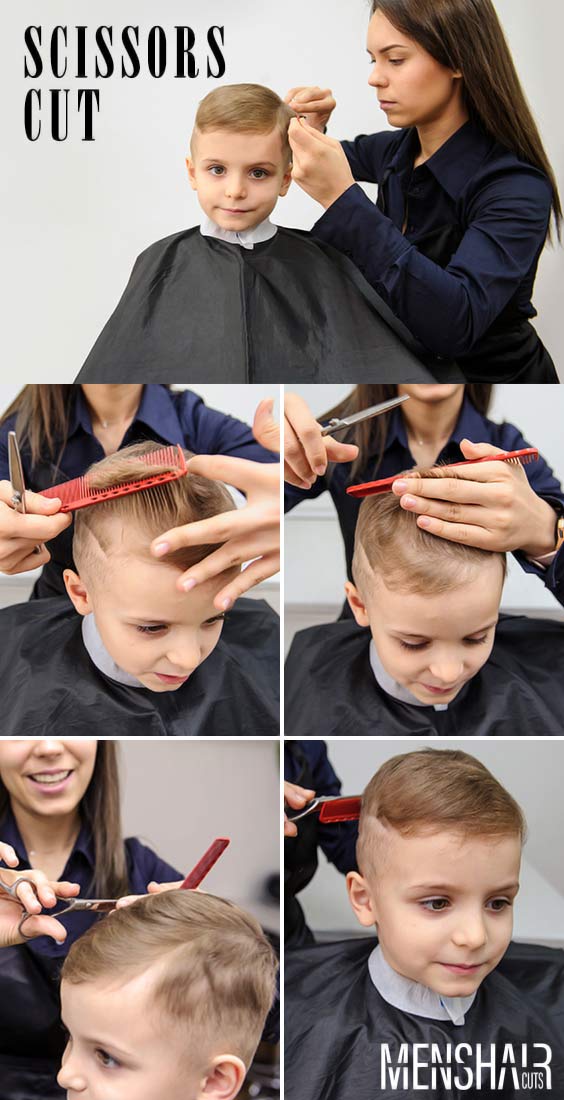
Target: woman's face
x=413 y=89
x=47 y=777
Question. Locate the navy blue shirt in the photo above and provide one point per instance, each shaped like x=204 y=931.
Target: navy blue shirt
x=163 y=415
x=143 y=867
x=475 y=218
x=397 y=457
x=307 y=764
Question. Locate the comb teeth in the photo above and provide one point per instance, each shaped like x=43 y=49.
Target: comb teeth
x=78 y=493
x=341 y=809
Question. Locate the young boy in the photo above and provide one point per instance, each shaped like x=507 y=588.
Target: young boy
x=444 y=1003
x=428 y=652
x=237 y=298
x=166 y=998
x=140 y=658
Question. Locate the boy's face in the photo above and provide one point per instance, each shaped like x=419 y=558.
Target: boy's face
x=442 y=905
x=433 y=644
x=149 y=628
x=238 y=177
x=118 y=1049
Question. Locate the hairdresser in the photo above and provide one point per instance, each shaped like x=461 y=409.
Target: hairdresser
x=495 y=505
x=59 y=826
x=465 y=188
x=62 y=430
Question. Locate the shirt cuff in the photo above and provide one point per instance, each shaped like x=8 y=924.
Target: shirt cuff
x=545 y=561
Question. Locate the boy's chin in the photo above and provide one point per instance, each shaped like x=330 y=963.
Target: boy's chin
x=238 y=223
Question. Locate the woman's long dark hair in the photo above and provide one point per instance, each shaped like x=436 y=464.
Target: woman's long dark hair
x=467 y=35
x=370 y=435
x=43 y=416
x=100 y=808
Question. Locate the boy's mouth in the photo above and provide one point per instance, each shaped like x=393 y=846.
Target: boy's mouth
x=171 y=679
x=440 y=690
x=463 y=968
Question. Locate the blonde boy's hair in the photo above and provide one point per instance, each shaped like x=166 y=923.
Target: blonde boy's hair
x=215 y=970
x=389 y=543
x=434 y=790
x=245 y=109
x=150 y=512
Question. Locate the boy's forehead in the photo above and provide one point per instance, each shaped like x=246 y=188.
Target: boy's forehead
x=431 y=856
x=243 y=148
x=461 y=610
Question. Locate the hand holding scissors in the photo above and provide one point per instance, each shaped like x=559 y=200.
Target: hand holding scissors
x=27 y=520
x=23 y=897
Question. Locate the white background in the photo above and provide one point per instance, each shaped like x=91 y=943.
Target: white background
x=538 y=411
x=530 y=770
x=75 y=215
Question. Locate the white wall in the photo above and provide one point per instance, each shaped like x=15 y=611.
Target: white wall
x=75 y=215
x=539 y=413
x=179 y=795
x=531 y=770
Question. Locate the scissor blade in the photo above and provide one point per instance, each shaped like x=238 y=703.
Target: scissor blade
x=374 y=410
x=16 y=470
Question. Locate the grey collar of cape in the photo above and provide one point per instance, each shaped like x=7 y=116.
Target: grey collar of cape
x=391 y=686
x=413 y=997
x=101 y=658
x=247 y=238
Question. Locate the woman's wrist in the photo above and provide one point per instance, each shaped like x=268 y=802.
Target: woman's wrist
x=543 y=539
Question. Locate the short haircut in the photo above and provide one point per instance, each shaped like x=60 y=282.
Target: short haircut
x=150 y=512
x=245 y=109
x=389 y=542
x=434 y=790
x=215 y=971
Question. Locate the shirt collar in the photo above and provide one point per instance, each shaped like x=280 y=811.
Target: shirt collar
x=101 y=658
x=156 y=411
x=247 y=238
x=391 y=686
x=11 y=835
x=454 y=163
x=410 y=996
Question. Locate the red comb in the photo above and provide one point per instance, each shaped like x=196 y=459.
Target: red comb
x=371 y=488
x=340 y=809
x=205 y=864
x=78 y=494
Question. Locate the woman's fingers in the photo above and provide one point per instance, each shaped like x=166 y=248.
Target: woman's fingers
x=260 y=570
x=42 y=925
x=296 y=796
x=8 y=854
x=442 y=488
x=252 y=544
x=457 y=532
x=266 y=430
x=340 y=452
x=317 y=103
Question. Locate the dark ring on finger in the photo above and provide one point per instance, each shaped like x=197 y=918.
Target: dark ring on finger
x=25 y=917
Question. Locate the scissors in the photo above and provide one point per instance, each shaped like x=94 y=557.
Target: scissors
x=17 y=479
x=336 y=425
x=105 y=905
x=330 y=807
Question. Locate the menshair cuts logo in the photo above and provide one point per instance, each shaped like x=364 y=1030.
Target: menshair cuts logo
x=420 y=1067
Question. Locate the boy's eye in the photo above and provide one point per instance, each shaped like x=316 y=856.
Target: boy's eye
x=435 y=905
x=216 y=170
x=105 y=1059
x=151 y=629
x=476 y=641
x=258 y=173
x=497 y=905
x=215 y=619
x=412 y=645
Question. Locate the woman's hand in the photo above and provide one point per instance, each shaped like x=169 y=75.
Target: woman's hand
x=20 y=534
x=296 y=797
x=490 y=505
x=317 y=103
x=152 y=888
x=251 y=532
x=319 y=164
x=30 y=900
x=306 y=450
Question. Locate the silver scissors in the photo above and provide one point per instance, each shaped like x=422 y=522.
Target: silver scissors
x=336 y=425
x=17 y=479
x=75 y=905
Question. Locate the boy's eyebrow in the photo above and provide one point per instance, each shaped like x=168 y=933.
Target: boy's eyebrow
x=255 y=164
x=448 y=887
x=412 y=634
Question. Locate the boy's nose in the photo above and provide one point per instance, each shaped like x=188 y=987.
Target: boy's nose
x=235 y=186
x=447 y=669
x=470 y=931
x=185 y=656
x=69 y=1076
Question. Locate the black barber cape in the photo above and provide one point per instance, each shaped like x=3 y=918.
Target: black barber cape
x=49 y=682
x=289 y=310
x=337 y=1024
x=331 y=690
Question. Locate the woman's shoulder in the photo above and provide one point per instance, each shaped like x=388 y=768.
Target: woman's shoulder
x=505 y=172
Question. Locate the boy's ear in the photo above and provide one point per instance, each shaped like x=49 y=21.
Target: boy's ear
x=224 y=1079
x=77 y=592
x=286 y=181
x=356 y=604
x=191 y=173
x=361 y=899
